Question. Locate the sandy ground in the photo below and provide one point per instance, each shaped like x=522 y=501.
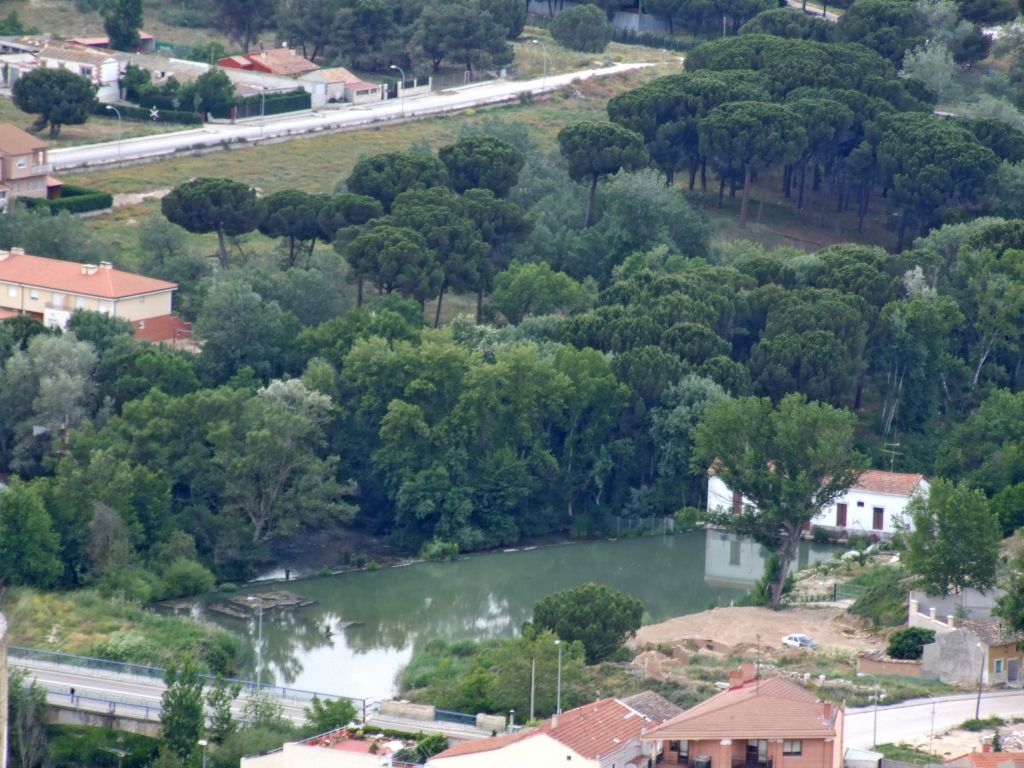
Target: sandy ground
x=741 y=626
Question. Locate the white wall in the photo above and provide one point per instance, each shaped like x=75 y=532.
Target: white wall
x=860 y=505
x=539 y=750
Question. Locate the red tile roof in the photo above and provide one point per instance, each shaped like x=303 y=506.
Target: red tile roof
x=276 y=61
x=990 y=759
x=894 y=483
x=70 y=277
x=773 y=708
x=590 y=731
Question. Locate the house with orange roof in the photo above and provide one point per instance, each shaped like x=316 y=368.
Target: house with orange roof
x=755 y=723
x=24 y=167
x=284 y=61
x=49 y=290
x=875 y=505
x=988 y=759
x=605 y=734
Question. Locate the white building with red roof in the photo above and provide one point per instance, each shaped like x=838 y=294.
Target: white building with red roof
x=49 y=290
x=875 y=505
x=605 y=734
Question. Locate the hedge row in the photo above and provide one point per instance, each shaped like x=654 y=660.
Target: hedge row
x=142 y=114
x=271 y=104
x=75 y=199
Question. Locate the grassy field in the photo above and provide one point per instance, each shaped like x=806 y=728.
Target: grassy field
x=87 y=624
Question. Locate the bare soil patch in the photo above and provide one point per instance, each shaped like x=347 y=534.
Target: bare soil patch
x=741 y=626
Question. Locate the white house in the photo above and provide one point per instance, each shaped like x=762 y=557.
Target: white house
x=101 y=69
x=874 y=505
x=605 y=734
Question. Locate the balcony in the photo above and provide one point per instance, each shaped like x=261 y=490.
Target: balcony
x=751 y=762
x=38 y=169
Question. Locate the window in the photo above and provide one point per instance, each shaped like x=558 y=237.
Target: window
x=22 y=162
x=79 y=302
x=105 y=307
x=12 y=291
x=792 y=747
x=878 y=518
x=999 y=666
x=840 y=515
x=734 y=552
x=34 y=295
x=57 y=298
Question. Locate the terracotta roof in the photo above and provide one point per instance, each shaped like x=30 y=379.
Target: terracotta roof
x=163 y=328
x=333 y=75
x=14 y=141
x=76 y=53
x=990 y=759
x=71 y=277
x=277 y=61
x=895 y=483
x=653 y=705
x=773 y=708
x=359 y=85
x=484 y=745
x=7 y=314
x=590 y=731
x=989 y=632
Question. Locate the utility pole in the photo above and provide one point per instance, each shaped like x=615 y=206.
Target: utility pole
x=533 y=685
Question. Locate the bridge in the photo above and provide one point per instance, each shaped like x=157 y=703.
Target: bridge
x=82 y=690
x=128 y=696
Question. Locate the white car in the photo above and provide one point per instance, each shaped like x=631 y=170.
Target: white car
x=799 y=641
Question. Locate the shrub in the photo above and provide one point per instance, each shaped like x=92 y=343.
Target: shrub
x=184 y=578
x=582 y=28
x=909 y=643
x=438 y=549
x=884 y=601
x=74 y=199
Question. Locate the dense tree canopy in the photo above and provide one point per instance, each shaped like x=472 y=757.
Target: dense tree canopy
x=599 y=617
x=58 y=96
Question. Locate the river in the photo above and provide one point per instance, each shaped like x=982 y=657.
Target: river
x=395 y=610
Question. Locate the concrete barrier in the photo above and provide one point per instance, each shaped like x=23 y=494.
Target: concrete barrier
x=490 y=723
x=408 y=710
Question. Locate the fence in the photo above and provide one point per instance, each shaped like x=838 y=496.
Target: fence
x=838 y=592
x=441 y=81
x=455 y=717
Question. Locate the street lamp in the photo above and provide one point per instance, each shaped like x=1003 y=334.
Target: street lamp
x=558 y=690
x=258 y=599
x=263 y=108
x=981 y=676
x=118 y=113
x=544 y=82
x=203 y=743
x=874 y=730
x=401 y=88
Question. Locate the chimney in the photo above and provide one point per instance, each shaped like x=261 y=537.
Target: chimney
x=554 y=722
x=17 y=251
x=106 y=265
x=828 y=711
x=986 y=747
x=951 y=620
x=90 y=269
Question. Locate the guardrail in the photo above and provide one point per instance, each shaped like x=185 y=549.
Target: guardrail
x=110 y=667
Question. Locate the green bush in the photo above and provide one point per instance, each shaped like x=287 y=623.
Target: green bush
x=438 y=549
x=184 y=578
x=79 y=745
x=582 y=28
x=909 y=643
x=984 y=723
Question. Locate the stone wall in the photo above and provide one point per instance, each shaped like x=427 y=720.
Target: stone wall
x=877 y=663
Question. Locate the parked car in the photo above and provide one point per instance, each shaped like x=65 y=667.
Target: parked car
x=799 y=641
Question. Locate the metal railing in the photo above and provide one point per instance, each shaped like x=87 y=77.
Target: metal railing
x=447 y=716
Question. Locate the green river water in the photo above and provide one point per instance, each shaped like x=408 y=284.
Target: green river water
x=394 y=610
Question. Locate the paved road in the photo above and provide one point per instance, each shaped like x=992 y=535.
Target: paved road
x=282 y=127
x=913 y=719
x=133 y=695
